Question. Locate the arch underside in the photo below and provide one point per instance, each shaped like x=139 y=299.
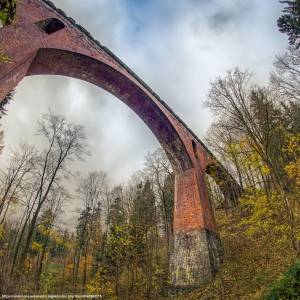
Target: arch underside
x=66 y=63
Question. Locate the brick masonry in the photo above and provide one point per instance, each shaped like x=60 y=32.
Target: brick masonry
x=69 y=50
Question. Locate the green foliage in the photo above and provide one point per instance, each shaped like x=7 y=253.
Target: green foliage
x=143 y=207
x=48 y=282
x=289 y=22
x=288 y=287
x=116 y=213
x=117 y=246
x=7 y=11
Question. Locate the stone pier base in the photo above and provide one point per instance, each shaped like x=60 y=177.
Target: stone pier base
x=196 y=258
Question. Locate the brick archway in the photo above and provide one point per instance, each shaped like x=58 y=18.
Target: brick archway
x=44 y=41
x=66 y=63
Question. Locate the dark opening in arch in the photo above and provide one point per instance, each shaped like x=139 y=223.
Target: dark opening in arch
x=50 y=25
x=195 y=149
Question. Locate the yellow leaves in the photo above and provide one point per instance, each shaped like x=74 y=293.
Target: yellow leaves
x=2 y=231
x=233 y=147
x=36 y=246
x=70 y=267
x=52 y=233
x=99 y=285
x=254 y=161
x=3 y=57
x=265 y=170
x=264 y=215
x=238 y=146
x=27 y=263
x=256 y=252
x=43 y=230
x=58 y=239
x=247 y=157
x=293 y=144
x=292 y=170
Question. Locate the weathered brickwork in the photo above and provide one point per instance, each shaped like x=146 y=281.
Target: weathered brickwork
x=42 y=40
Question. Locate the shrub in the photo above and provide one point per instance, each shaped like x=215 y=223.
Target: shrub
x=288 y=287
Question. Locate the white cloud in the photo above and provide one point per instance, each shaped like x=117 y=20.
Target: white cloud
x=177 y=47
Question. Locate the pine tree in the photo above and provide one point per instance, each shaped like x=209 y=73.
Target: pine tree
x=289 y=22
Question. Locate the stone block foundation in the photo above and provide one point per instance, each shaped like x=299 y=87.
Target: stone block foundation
x=196 y=258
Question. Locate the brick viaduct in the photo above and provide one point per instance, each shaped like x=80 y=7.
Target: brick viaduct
x=43 y=40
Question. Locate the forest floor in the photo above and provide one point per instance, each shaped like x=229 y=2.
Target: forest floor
x=251 y=263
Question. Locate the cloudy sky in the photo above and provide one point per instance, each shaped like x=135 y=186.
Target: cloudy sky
x=176 y=46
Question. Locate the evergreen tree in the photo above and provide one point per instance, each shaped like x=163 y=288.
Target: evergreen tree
x=289 y=22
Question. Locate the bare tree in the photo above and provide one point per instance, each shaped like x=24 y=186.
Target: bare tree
x=286 y=77
x=66 y=142
x=18 y=171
